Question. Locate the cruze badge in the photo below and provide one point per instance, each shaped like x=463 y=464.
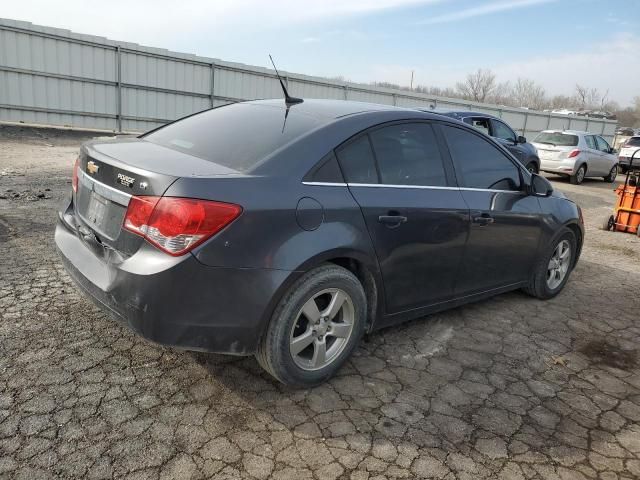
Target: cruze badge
x=126 y=180
x=92 y=167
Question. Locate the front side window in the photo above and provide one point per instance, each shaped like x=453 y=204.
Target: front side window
x=591 y=141
x=633 y=142
x=408 y=154
x=603 y=146
x=480 y=164
x=357 y=162
x=500 y=130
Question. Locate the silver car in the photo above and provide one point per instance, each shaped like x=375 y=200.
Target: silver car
x=576 y=154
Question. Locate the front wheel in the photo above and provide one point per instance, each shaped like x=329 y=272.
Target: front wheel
x=613 y=173
x=609 y=222
x=578 y=178
x=315 y=327
x=554 y=267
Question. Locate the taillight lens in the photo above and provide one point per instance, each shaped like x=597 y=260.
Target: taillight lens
x=573 y=153
x=177 y=225
x=74 y=178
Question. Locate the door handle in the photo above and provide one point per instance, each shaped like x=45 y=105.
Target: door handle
x=392 y=221
x=484 y=219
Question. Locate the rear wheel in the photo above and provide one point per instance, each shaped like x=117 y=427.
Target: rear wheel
x=613 y=173
x=578 y=178
x=554 y=267
x=315 y=327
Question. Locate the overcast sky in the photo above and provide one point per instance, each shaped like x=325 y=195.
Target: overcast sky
x=557 y=43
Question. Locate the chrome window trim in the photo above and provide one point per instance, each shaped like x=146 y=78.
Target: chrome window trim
x=418 y=187
x=110 y=193
x=326 y=184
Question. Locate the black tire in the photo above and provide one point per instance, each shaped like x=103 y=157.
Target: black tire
x=578 y=178
x=532 y=167
x=608 y=223
x=538 y=286
x=274 y=353
x=613 y=173
x=624 y=169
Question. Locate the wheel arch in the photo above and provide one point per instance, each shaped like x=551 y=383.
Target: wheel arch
x=359 y=263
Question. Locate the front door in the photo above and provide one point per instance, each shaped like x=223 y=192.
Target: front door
x=505 y=221
x=508 y=138
x=416 y=217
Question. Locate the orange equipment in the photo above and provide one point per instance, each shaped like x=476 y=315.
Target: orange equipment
x=626 y=217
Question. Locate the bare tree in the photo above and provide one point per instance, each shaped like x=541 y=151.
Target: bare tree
x=501 y=95
x=477 y=86
x=587 y=97
x=526 y=93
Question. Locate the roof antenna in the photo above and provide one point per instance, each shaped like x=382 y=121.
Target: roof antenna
x=288 y=99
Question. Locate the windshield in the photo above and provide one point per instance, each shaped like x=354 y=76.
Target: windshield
x=557 y=139
x=237 y=136
x=633 y=142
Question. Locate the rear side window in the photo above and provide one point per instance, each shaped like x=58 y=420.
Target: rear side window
x=633 y=142
x=479 y=163
x=327 y=171
x=591 y=142
x=557 y=139
x=237 y=136
x=408 y=154
x=481 y=124
x=357 y=162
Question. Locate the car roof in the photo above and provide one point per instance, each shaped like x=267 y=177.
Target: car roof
x=457 y=113
x=328 y=109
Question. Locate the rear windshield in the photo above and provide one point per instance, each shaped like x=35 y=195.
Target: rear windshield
x=237 y=136
x=633 y=142
x=557 y=139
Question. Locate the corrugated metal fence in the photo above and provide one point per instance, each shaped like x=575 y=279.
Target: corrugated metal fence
x=56 y=77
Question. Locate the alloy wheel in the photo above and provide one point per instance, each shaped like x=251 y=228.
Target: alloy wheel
x=322 y=329
x=559 y=264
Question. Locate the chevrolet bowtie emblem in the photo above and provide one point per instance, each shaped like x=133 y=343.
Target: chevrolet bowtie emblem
x=92 y=167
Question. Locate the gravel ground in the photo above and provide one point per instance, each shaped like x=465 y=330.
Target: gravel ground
x=509 y=388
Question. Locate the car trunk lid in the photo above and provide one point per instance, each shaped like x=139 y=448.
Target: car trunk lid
x=110 y=173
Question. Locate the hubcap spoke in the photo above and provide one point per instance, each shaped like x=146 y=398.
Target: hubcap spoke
x=310 y=310
x=301 y=342
x=340 y=330
x=337 y=300
x=319 y=353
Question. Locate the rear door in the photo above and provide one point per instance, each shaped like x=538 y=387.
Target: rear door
x=505 y=221
x=416 y=216
x=594 y=164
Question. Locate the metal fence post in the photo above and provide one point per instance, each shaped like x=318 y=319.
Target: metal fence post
x=119 y=89
x=548 y=122
x=346 y=92
x=395 y=99
x=524 y=128
x=213 y=82
x=569 y=127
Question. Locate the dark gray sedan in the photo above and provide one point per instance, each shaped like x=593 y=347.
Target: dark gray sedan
x=288 y=231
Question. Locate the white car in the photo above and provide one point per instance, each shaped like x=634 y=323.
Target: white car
x=576 y=154
x=629 y=147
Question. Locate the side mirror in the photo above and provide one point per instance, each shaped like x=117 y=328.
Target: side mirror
x=540 y=186
x=521 y=139
x=613 y=150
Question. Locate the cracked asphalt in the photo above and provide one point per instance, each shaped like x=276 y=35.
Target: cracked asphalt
x=509 y=388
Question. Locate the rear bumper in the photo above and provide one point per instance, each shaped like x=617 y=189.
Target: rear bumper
x=565 y=167
x=173 y=301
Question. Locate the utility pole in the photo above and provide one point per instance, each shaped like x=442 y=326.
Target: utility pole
x=411 y=87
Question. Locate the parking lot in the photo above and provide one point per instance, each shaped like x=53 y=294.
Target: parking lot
x=509 y=388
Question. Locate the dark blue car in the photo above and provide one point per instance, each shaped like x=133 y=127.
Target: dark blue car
x=503 y=134
x=288 y=231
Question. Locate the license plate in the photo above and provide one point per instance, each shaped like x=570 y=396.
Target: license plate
x=97 y=209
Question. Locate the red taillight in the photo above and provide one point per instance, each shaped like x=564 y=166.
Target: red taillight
x=74 y=178
x=177 y=225
x=573 y=153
